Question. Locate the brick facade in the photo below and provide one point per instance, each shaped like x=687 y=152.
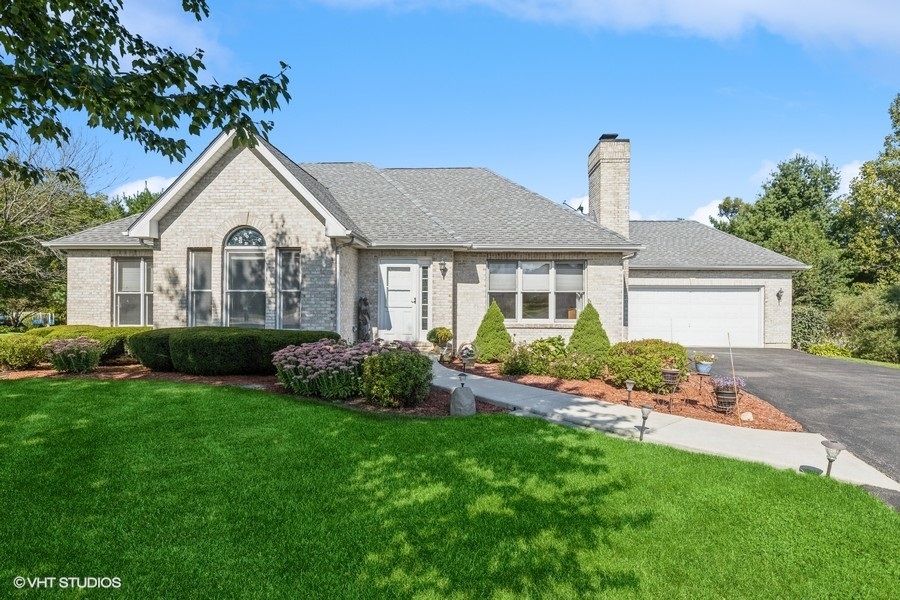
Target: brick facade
x=89 y=281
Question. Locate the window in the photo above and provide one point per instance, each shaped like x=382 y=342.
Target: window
x=245 y=279
x=289 y=281
x=426 y=279
x=537 y=290
x=200 y=311
x=134 y=291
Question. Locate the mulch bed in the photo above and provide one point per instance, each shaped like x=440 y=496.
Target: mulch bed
x=695 y=400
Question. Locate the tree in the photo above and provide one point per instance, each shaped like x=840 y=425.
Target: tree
x=138 y=202
x=31 y=276
x=68 y=55
x=492 y=341
x=588 y=336
x=795 y=216
x=869 y=217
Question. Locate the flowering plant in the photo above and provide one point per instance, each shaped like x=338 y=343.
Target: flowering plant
x=703 y=357
x=80 y=355
x=327 y=368
x=727 y=383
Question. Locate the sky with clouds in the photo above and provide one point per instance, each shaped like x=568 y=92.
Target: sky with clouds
x=712 y=95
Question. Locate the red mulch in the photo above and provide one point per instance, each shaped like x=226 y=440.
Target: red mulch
x=437 y=404
x=695 y=400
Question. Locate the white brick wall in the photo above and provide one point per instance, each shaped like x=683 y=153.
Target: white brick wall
x=89 y=294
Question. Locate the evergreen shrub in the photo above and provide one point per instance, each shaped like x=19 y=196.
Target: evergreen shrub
x=151 y=348
x=642 y=362
x=492 y=342
x=112 y=339
x=588 y=336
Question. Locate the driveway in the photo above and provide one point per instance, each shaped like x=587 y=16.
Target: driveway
x=854 y=403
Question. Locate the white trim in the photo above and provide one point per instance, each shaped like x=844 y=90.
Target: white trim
x=279 y=284
x=415 y=268
x=143 y=293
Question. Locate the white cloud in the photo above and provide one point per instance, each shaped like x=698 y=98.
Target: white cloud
x=166 y=24
x=703 y=213
x=154 y=184
x=863 y=22
x=849 y=172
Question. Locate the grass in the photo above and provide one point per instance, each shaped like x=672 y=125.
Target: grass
x=195 y=492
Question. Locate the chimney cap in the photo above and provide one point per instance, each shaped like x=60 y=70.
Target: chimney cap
x=608 y=136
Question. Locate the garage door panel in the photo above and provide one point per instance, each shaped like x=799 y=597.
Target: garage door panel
x=697 y=316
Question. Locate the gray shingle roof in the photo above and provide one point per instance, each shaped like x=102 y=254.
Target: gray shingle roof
x=456 y=206
x=691 y=245
x=108 y=235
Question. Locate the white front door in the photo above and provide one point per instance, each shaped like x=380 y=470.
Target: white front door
x=398 y=300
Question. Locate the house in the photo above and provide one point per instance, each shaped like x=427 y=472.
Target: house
x=247 y=238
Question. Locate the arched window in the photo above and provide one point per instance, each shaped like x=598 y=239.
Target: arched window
x=245 y=279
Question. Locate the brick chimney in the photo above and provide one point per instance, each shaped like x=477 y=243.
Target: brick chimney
x=609 y=183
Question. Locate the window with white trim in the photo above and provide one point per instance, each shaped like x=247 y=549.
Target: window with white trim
x=245 y=279
x=133 y=303
x=289 y=284
x=200 y=288
x=536 y=290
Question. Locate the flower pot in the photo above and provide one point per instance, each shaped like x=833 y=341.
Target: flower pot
x=704 y=368
x=726 y=400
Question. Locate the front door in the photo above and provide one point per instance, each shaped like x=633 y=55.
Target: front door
x=399 y=297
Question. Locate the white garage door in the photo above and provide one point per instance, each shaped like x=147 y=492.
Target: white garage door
x=697 y=316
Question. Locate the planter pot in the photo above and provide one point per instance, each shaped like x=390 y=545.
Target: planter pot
x=704 y=368
x=670 y=376
x=726 y=400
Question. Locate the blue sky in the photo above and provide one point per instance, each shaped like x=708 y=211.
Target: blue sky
x=712 y=97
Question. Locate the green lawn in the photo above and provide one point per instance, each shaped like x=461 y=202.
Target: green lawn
x=191 y=491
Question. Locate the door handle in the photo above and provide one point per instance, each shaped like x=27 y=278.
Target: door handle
x=413 y=300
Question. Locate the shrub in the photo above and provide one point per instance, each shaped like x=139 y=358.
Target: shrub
x=589 y=337
x=19 y=352
x=642 y=362
x=543 y=352
x=80 y=355
x=326 y=369
x=439 y=336
x=870 y=322
x=492 y=342
x=233 y=350
x=828 y=349
x=517 y=362
x=112 y=339
x=809 y=325
x=576 y=366
x=398 y=377
x=151 y=349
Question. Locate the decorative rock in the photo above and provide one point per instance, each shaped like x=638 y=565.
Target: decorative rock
x=462 y=402
x=746 y=416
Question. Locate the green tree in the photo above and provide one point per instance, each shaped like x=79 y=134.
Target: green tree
x=139 y=201
x=63 y=56
x=795 y=216
x=492 y=341
x=869 y=217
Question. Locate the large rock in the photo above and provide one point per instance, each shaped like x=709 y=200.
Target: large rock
x=462 y=402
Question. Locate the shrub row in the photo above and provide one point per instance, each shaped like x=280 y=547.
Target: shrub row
x=112 y=339
x=217 y=350
x=19 y=351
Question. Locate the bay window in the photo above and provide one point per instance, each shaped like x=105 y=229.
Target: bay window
x=537 y=290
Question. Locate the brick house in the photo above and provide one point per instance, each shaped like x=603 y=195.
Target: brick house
x=248 y=238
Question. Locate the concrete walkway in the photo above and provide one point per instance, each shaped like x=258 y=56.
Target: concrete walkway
x=785 y=450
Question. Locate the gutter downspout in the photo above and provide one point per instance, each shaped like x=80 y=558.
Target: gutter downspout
x=337 y=282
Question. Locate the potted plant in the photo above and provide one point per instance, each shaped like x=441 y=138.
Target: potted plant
x=671 y=374
x=703 y=362
x=726 y=390
x=439 y=336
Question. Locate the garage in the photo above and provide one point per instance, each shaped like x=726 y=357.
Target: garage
x=697 y=316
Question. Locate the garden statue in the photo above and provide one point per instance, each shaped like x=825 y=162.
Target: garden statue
x=363 y=329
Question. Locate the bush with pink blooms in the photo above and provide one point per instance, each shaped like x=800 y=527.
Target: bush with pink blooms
x=79 y=355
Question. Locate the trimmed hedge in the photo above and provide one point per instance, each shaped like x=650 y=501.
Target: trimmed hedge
x=642 y=362
x=219 y=350
x=112 y=339
x=588 y=337
x=400 y=377
x=19 y=352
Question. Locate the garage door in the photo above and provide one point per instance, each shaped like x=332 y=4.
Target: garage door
x=697 y=316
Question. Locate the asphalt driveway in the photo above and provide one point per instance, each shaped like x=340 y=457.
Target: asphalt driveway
x=853 y=403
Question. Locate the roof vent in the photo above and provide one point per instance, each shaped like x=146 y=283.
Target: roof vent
x=609 y=136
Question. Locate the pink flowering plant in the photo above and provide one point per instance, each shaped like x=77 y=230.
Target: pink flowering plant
x=79 y=355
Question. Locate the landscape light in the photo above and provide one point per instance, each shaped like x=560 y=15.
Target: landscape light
x=646 y=409
x=832 y=449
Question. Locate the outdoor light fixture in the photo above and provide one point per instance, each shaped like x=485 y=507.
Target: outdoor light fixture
x=779 y=294
x=462 y=379
x=832 y=449
x=629 y=385
x=443 y=267
x=646 y=409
